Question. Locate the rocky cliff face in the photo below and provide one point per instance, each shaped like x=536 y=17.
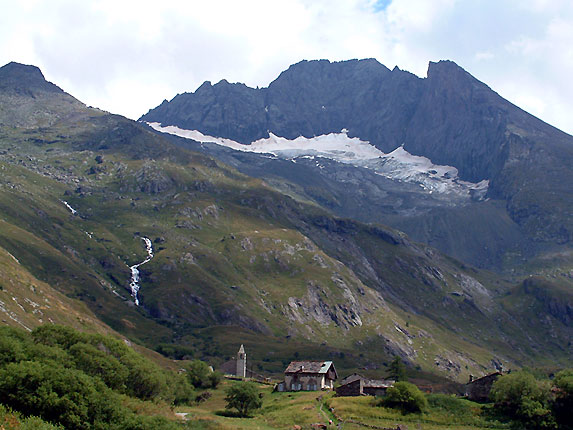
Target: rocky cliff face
x=449 y=117
x=22 y=79
x=28 y=100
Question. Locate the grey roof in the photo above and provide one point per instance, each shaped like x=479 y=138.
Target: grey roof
x=368 y=383
x=319 y=367
x=378 y=383
x=351 y=378
x=483 y=378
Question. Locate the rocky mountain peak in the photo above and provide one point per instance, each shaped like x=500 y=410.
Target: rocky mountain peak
x=323 y=72
x=28 y=100
x=449 y=75
x=450 y=117
x=443 y=66
x=22 y=78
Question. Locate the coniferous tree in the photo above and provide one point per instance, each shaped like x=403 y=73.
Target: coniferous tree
x=397 y=370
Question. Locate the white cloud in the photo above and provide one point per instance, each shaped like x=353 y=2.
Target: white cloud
x=126 y=56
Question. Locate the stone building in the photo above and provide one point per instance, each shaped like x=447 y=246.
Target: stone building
x=236 y=366
x=357 y=385
x=478 y=389
x=241 y=362
x=309 y=376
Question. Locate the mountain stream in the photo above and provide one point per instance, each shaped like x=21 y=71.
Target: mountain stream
x=134 y=281
x=71 y=209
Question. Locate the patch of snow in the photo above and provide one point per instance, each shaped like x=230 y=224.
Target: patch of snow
x=335 y=145
x=398 y=165
x=134 y=281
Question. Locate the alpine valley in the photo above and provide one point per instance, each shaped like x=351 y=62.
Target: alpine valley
x=345 y=212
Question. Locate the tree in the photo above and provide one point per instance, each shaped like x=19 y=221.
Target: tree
x=397 y=369
x=564 y=399
x=198 y=373
x=244 y=397
x=406 y=397
x=214 y=379
x=525 y=399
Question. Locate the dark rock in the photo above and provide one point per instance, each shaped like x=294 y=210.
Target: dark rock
x=449 y=117
x=24 y=79
x=558 y=306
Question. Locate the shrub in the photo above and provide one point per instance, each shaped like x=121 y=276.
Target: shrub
x=146 y=380
x=564 y=399
x=406 y=397
x=11 y=420
x=200 y=375
x=57 y=394
x=520 y=396
x=100 y=364
x=181 y=390
x=135 y=422
x=202 y=397
x=11 y=350
x=214 y=379
x=78 y=380
x=57 y=335
x=244 y=397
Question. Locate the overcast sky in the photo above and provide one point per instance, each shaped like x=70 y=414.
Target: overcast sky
x=127 y=56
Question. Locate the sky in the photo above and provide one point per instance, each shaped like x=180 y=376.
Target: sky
x=127 y=56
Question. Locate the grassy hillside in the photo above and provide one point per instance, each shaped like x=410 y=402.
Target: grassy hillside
x=285 y=410
x=235 y=261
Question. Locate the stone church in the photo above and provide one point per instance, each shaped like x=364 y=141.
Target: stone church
x=236 y=366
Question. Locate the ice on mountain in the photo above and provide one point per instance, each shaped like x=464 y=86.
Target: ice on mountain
x=398 y=165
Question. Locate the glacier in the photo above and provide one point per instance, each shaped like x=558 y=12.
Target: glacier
x=398 y=165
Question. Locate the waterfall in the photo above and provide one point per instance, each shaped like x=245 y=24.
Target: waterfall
x=134 y=281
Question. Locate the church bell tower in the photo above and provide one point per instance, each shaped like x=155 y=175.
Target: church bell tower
x=242 y=362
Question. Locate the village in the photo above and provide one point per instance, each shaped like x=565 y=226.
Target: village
x=317 y=375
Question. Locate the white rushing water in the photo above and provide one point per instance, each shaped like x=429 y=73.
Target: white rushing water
x=134 y=281
x=72 y=210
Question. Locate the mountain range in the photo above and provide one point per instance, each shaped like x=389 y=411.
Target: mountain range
x=449 y=118
x=239 y=235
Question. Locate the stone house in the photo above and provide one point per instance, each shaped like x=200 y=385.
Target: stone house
x=309 y=376
x=478 y=389
x=357 y=385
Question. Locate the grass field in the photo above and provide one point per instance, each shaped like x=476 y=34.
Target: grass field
x=287 y=410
